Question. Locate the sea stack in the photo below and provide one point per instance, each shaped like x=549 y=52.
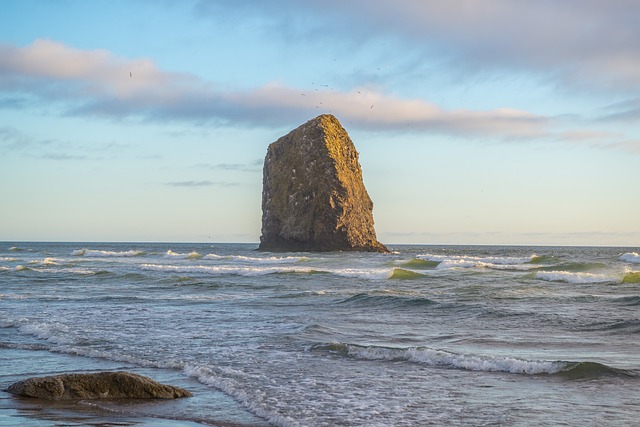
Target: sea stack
x=313 y=196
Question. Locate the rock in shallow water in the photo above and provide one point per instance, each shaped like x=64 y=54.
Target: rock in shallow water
x=101 y=385
x=313 y=196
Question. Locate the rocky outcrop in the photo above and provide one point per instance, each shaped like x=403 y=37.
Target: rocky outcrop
x=101 y=385
x=313 y=196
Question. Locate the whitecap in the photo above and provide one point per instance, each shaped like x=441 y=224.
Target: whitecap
x=226 y=381
x=464 y=261
x=433 y=357
x=100 y=253
x=256 y=260
x=633 y=257
x=577 y=278
x=53 y=332
x=224 y=269
x=177 y=255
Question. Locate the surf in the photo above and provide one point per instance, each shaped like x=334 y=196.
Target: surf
x=490 y=262
x=474 y=362
x=101 y=253
x=632 y=257
x=575 y=278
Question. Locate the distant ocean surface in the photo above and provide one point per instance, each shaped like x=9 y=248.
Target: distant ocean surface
x=428 y=335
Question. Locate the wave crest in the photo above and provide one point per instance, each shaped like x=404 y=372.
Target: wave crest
x=465 y=261
x=177 y=255
x=631 y=277
x=388 y=301
x=632 y=257
x=99 y=253
x=475 y=362
x=575 y=278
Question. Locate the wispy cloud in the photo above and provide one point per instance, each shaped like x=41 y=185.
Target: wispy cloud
x=591 y=43
x=60 y=156
x=625 y=111
x=17 y=142
x=244 y=167
x=98 y=83
x=12 y=139
x=197 y=184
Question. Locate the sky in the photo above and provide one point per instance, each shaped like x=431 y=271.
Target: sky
x=477 y=121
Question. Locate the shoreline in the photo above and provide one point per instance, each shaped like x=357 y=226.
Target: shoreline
x=207 y=407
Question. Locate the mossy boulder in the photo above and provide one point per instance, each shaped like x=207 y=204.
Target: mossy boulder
x=101 y=385
x=313 y=196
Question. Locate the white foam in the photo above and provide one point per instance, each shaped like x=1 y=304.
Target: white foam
x=577 y=278
x=374 y=274
x=633 y=257
x=4 y=258
x=177 y=255
x=99 y=253
x=226 y=381
x=256 y=260
x=49 y=270
x=464 y=261
x=471 y=362
x=224 y=269
x=53 y=332
x=253 y=270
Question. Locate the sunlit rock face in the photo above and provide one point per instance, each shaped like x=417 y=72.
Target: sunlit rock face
x=313 y=196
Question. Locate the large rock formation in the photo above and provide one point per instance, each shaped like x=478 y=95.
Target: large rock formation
x=101 y=385
x=313 y=196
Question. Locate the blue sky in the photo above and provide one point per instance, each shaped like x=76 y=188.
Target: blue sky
x=477 y=122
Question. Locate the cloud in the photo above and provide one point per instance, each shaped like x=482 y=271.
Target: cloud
x=586 y=42
x=244 y=167
x=197 y=184
x=96 y=82
x=60 y=156
x=17 y=142
x=13 y=140
x=625 y=111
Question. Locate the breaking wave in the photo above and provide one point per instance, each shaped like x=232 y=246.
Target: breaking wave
x=631 y=277
x=632 y=257
x=177 y=255
x=475 y=362
x=402 y=274
x=577 y=278
x=256 y=260
x=99 y=253
x=496 y=263
x=225 y=269
x=252 y=270
x=573 y=267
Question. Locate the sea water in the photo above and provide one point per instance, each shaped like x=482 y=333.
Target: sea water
x=427 y=335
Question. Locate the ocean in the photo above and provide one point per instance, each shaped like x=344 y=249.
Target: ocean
x=425 y=336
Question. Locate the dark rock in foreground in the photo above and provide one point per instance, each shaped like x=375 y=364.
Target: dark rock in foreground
x=313 y=196
x=102 y=385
